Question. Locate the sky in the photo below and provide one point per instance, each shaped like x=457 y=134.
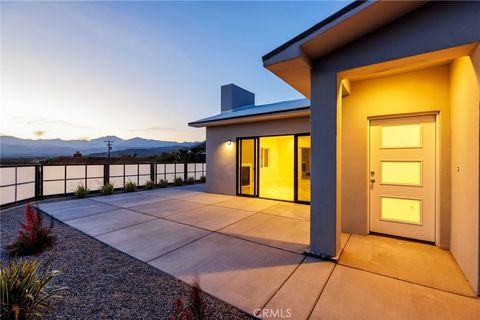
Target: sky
x=81 y=70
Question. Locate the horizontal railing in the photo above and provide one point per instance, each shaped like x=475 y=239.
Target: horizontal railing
x=20 y=183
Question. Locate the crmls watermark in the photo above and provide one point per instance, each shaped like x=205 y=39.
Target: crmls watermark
x=273 y=313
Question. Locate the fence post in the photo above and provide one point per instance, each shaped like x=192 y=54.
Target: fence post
x=152 y=172
x=106 y=173
x=39 y=182
x=185 y=173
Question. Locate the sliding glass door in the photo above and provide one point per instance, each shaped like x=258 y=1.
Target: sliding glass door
x=276 y=175
x=247 y=160
x=274 y=167
x=303 y=168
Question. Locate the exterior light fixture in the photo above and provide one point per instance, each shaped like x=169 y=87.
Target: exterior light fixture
x=229 y=142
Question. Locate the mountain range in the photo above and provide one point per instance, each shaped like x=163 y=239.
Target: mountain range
x=16 y=147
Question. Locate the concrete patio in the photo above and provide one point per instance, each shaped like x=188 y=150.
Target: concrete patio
x=249 y=253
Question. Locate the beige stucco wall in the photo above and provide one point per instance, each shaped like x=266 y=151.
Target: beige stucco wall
x=221 y=158
x=465 y=173
x=420 y=91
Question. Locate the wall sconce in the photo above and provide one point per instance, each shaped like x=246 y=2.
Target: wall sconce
x=229 y=142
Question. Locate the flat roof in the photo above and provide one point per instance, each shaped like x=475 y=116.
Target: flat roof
x=251 y=112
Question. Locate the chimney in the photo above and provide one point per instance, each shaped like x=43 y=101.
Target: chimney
x=234 y=97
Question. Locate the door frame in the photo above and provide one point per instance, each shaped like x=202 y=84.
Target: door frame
x=257 y=164
x=436 y=114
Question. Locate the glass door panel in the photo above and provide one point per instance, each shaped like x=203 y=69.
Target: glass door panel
x=303 y=168
x=246 y=167
x=276 y=167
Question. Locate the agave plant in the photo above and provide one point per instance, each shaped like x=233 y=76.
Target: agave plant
x=25 y=291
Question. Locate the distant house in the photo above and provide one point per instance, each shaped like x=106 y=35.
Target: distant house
x=393 y=125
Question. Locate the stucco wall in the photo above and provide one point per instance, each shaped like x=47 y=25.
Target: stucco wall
x=434 y=26
x=221 y=158
x=420 y=91
x=465 y=173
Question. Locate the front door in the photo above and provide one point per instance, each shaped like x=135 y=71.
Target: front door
x=402 y=177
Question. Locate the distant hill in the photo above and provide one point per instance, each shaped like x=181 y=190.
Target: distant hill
x=138 y=152
x=17 y=147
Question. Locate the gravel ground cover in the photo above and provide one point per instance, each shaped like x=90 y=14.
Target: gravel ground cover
x=105 y=283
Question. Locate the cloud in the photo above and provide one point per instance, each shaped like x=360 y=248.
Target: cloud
x=53 y=122
x=39 y=133
x=164 y=128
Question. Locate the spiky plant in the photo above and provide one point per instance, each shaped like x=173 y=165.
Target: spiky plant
x=190 y=180
x=106 y=189
x=81 y=191
x=178 y=181
x=162 y=183
x=149 y=185
x=33 y=236
x=25 y=290
x=203 y=179
x=194 y=308
x=130 y=186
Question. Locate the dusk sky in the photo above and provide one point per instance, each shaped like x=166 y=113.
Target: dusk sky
x=88 y=69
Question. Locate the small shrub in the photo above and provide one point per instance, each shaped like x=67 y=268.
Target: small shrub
x=33 y=236
x=190 y=180
x=178 y=181
x=106 y=189
x=162 y=183
x=149 y=185
x=203 y=179
x=81 y=191
x=192 y=309
x=130 y=186
x=25 y=290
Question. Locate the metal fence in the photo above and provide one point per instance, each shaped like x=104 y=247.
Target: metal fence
x=29 y=182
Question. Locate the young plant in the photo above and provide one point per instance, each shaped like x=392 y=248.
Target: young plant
x=106 y=189
x=130 y=186
x=25 y=290
x=203 y=179
x=190 y=180
x=149 y=185
x=33 y=236
x=162 y=183
x=178 y=181
x=81 y=191
x=192 y=309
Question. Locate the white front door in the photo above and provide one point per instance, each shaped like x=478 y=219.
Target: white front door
x=402 y=177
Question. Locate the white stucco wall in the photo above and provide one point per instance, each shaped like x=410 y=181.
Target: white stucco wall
x=221 y=158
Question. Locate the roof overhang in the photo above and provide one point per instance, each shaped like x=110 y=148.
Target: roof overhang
x=296 y=113
x=292 y=61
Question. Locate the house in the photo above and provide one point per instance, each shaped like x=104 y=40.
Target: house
x=252 y=149
x=393 y=122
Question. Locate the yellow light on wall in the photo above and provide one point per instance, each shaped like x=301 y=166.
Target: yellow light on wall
x=229 y=142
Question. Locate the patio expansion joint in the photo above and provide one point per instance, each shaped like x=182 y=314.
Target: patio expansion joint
x=126 y=227
x=407 y=281
x=321 y=292
x=283 y=283
x=182 y=246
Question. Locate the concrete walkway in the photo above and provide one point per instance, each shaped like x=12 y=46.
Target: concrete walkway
x=248 y=252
